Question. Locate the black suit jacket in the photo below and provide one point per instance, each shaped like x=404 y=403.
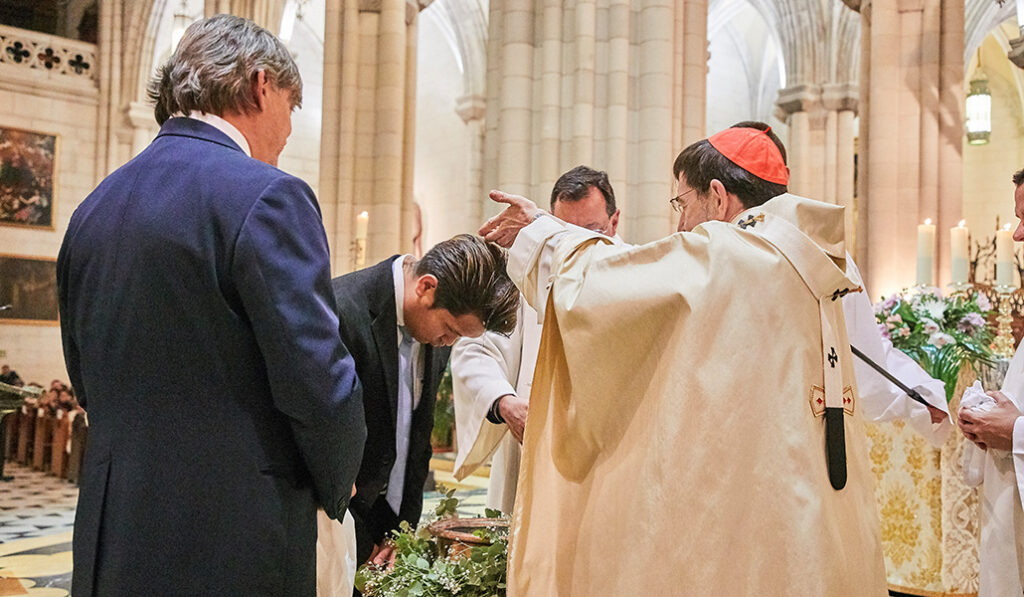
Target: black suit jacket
x=369 y=327
x=199 y=332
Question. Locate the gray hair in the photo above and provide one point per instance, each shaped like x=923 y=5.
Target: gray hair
x=214 y=66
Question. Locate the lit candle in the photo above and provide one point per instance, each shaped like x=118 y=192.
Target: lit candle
x=959 y=256
x=1004 y=256
x=362 y=223
x=925 y=253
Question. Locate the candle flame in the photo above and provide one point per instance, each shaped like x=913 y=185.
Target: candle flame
x=1006 y=227
x=962 y=223
x=364 y=214
x=928 y=222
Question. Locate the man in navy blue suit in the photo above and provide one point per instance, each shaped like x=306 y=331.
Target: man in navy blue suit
x=201 y=334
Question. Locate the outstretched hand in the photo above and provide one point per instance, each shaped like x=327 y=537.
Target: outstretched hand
x=504 y=227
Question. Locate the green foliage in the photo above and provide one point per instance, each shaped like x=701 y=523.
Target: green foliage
x=940 y=333
x=421 y=569
x=448 y=506
x=444 y=412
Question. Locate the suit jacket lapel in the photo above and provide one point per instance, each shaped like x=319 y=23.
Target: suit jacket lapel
x=429 y=365
x=385 y=336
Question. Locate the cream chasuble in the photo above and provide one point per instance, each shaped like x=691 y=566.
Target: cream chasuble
x=675 y=444
x=1002 y=509
x=483 y=370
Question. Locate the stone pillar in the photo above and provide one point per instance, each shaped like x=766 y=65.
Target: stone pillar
x=911 y=134
x=367 y=144
x=144 y=127
x=472 y=109
x=821 y=145
x=618 y=85
x=265 y=13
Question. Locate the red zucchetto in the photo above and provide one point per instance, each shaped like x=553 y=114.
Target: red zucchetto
x=754 y=151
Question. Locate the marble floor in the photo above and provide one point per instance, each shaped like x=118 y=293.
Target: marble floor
x=37 y=513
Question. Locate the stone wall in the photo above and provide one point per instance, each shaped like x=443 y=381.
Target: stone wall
x=64 y=103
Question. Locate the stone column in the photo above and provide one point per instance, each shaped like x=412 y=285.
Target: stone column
x=144 y=127
x=618 y=85
x=821 y=146
x=911 y=134
x=472 y=109
x=265 y=13
x=367 y=143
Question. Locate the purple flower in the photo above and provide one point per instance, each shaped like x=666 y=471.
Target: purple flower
x=983 y=303
x=971 y=323
x=885 y=331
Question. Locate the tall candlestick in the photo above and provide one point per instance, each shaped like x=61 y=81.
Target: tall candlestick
x=1004 y=256
x=359 y=254
x=925 y=253
x=362 y=224
x=959 y=256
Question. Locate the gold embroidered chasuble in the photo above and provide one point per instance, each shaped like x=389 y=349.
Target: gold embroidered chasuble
x=675 y=444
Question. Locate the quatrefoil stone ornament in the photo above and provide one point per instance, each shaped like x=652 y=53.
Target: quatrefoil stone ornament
x=18 y=52
x=49 y=59
x=79 y=64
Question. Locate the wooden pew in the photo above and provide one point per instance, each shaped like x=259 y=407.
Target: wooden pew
x=43 y=441
x=26 y=432
x=59 y=452
x=79 y=436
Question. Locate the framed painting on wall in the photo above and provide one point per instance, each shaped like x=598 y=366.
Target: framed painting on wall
x=28 y=171
x=28 y=290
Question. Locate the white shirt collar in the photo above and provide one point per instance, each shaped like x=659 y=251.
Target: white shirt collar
x=223 y=126
x=398 y=272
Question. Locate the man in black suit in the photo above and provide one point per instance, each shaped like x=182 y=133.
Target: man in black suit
x=399 y=318
x=200 y=256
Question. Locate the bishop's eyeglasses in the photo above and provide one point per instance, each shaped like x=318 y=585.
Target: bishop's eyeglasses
x=677 y=202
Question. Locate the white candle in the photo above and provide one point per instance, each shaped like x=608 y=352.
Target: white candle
x=362 y=224
x=959 y=256
x=1004 y=256
x=925 y=253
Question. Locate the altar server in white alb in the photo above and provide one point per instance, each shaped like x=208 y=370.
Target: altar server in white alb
x=694 y=403
x=492 y=374
x=996 y=460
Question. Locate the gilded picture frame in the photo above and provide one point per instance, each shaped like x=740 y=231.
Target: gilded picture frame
x=28 y=178
x=28 y=290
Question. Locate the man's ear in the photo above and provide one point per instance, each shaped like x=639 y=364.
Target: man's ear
x=718 y=194
x=260 y=89
x=426 y=285
x=614 y=222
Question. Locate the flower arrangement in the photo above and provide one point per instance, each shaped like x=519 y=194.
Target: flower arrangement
x=940 y=333
x=423 y=567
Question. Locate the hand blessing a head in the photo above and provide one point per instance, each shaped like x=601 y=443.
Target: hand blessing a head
x=504 y=227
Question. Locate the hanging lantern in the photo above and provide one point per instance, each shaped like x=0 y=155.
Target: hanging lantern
x=979 y=109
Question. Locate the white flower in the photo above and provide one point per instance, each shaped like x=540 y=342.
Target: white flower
x=983 y=303
x=935 y=307
x=940 y=339
x=929 y=325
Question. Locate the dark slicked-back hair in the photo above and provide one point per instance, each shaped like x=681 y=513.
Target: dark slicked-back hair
x=213 y=68
x=701 y=163
x=575 y=185
x=471 y=279
x=1018 y=178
